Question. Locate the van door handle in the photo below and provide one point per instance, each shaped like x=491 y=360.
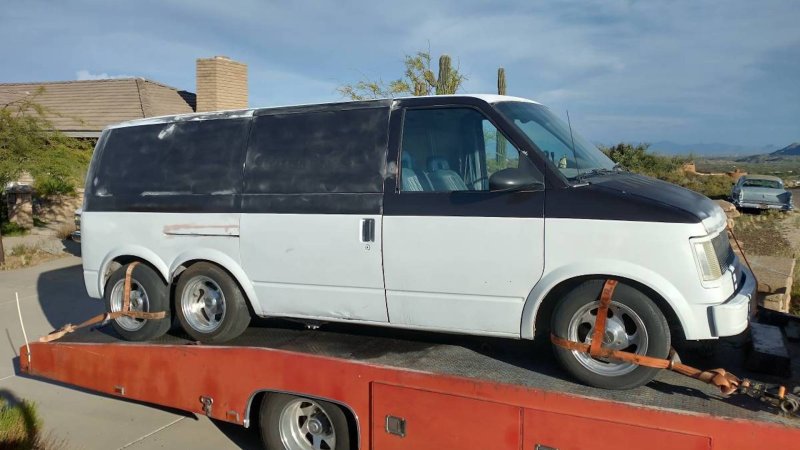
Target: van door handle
x=367 y=230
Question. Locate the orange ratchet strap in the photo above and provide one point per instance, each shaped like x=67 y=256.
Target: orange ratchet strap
x=100 y=318
x=727 y=382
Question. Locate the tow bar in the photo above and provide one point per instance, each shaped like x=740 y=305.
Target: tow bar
x=728 y=383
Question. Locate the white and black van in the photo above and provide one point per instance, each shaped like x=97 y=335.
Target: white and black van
x=475 y=214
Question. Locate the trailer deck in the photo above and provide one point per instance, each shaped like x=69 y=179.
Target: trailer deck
x=353 y=364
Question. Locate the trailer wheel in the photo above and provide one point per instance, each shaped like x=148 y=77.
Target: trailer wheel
x=209 y=304
x=290 y=422
x=634 y=324
x=149 y=293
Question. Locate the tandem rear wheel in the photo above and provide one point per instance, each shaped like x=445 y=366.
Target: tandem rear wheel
x=210 y=305
x=291 y=422
x=149 y=293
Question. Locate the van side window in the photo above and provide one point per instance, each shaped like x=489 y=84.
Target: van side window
x=178 y=158
x=342 y=151
x=451 y=149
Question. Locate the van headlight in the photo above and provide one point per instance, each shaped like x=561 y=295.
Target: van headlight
x=706 y=259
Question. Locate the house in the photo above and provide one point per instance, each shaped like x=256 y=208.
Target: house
x=82 y=109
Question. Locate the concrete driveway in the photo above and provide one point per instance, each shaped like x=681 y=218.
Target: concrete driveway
x=51 y=295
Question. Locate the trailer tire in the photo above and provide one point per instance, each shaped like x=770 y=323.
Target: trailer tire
x=149 y=293
x=290 y=422
x=635 y=324
x=209 y=304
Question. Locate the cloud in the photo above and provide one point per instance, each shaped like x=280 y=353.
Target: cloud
x=84 y=74
x=684 y=70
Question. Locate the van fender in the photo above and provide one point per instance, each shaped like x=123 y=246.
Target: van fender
x=136 y=251
x=226 y=262
x=600 y=268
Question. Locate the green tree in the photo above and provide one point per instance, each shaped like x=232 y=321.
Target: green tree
x=418 y=79
x=28 y=143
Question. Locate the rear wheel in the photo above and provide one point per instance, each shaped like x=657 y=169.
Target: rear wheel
x=634 y=324
x=290 y=422
x=209 y=304
x=149 y=293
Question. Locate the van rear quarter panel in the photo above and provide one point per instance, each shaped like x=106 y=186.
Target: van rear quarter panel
x=164 y=240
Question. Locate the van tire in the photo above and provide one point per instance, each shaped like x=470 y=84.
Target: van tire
x=279 y=432
x=635 y=322
x=149 y=294
x=210 y=305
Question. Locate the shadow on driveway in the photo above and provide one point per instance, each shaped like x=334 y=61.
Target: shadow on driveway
x=62 y=297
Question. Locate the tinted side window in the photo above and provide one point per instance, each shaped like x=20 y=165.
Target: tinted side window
x=181 y=158
x=453 y=149
x=318 y=152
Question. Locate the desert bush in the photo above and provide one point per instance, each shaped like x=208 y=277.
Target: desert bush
x=64 y=231
x=12 y=229
x=638 y=159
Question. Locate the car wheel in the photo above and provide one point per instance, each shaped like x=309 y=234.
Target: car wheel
x=635 y=324
x=149 y=293
x=209 y=304
x=289 y=422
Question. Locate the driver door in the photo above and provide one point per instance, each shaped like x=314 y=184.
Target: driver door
x=458 y=257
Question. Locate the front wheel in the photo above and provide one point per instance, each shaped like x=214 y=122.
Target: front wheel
x=635 y=324
x=290 y=422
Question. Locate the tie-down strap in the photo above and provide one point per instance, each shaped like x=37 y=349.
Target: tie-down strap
x=725 y=381
x=100 y=318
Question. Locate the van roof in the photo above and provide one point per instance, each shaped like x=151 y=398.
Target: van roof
x=250 y=112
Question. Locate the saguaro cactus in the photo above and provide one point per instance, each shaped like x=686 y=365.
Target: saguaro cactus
x=443 y=84
x=501 y=141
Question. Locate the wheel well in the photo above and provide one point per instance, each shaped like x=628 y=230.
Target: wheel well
x=542 y=321
x=256 y=400
x=185 y=265
x=120 y=261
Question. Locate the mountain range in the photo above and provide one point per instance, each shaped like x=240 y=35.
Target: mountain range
x=790 y=152
x=710 y=149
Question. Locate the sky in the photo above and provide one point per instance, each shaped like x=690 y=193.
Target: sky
x=687 y=71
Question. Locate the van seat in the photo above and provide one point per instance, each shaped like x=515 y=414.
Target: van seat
x=410 y=181
x=442 y=178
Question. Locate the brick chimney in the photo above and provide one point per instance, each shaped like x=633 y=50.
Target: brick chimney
x=221 y=84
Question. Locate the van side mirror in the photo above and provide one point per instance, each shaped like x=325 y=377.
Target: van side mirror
x=514 y=179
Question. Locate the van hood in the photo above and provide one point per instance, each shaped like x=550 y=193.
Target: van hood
x=663 y=195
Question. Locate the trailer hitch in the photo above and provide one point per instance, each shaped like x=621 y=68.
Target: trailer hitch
x=726 y=382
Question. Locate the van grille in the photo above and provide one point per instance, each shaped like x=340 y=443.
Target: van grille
x=723 y=250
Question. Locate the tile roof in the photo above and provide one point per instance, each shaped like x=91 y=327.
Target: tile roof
x=84 y=108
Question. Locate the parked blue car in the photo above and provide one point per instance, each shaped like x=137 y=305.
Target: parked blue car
x=761 y=192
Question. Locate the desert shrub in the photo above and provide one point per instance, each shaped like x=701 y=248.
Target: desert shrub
x=638 y=159
x=12 y=229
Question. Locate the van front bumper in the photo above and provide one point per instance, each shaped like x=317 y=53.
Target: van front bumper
x=733 y=316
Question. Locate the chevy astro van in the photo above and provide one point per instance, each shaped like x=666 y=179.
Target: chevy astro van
x=474 y=214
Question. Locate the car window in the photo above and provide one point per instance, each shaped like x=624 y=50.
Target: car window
x=756 y=182
x=452 y=149
x=341 y=151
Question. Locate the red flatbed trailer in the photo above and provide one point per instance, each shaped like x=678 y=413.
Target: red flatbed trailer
x=447 y=391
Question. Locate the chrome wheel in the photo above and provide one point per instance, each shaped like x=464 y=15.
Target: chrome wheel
x=203 y=304
x=304 y=425
x=139 y=302
x=625 y=331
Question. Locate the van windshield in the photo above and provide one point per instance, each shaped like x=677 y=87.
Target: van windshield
x=570 y=153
